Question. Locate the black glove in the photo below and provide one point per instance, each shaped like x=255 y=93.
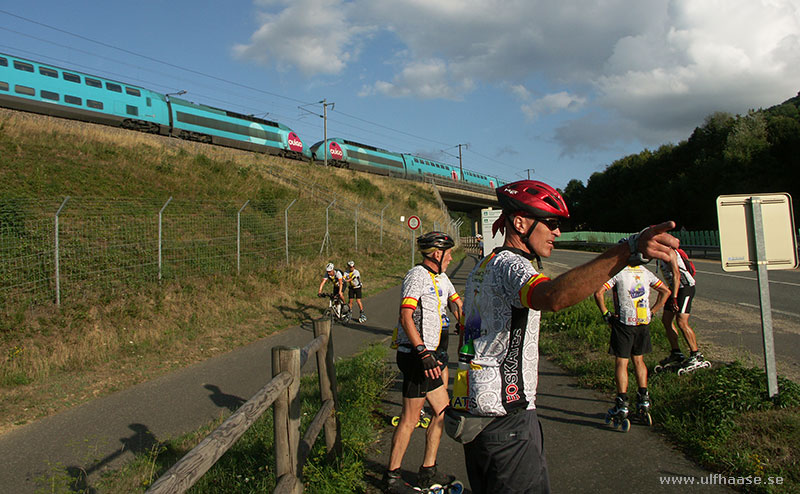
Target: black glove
x=459 y=328
x=321 y=295
x=608 y=317
x=428 y=360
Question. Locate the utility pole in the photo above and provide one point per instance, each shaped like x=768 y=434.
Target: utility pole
x=529 y=170
x=460 y=167
x=325 y=106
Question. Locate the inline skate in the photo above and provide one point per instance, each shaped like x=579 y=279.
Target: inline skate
x=618 y=414
x=430 y=481
x=643 y=408
x=674 y=361
x=694 y=362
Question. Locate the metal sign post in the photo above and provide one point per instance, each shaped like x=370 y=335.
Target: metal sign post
x=757 y=234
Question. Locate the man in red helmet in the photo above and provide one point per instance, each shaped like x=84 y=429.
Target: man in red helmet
x=505 y=295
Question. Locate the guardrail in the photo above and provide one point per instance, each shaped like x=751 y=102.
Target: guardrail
x=695 y=251
x=291 y=452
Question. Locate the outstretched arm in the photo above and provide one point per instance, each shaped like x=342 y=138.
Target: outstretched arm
x=578 y=283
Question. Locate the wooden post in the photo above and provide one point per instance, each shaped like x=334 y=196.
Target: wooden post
x=287 y=414
x=327 y=386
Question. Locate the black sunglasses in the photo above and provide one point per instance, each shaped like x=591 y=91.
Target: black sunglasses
x=551 y=223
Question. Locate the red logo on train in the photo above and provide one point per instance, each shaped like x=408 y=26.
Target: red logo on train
x=295 y=144
x=336 y=151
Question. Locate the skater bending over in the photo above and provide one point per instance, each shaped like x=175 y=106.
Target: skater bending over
x=677 y=310
x=630 y=331
x=422 y=357
x=504 y=298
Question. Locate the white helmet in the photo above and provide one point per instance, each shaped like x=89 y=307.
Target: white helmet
x=329 y=267
x=350 y=264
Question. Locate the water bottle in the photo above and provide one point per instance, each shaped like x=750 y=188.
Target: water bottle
x=465 y=355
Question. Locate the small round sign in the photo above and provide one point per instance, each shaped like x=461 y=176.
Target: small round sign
x=413 y=222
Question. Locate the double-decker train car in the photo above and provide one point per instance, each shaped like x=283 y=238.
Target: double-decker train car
x=42 y=88
x=50 y=90
x=226 y=128
x=357 y=156
x=363 y=157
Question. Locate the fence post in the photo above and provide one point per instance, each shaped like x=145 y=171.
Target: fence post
x=327 y=239
x=382 y=210
x=286 y=412
x=327 y=386
x=286 y=227
x=57 y=255
x=160 y=213
x=239 y=235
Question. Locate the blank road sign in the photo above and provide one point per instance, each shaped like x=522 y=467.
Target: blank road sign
x=737 y=240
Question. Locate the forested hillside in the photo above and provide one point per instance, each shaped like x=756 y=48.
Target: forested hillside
x=729 y=154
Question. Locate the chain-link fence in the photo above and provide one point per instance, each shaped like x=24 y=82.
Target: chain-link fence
x=53 y=250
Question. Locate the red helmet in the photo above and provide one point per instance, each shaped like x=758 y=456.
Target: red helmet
x=535 y=198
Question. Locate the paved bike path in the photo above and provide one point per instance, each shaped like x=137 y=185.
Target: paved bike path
x=583 y=454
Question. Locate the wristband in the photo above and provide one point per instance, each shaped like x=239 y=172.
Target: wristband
x=636 y=258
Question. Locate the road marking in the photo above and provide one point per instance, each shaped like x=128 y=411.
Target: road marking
x=749 y=278
x=773 y=310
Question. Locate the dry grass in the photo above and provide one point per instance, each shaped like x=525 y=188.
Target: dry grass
x=108 y=338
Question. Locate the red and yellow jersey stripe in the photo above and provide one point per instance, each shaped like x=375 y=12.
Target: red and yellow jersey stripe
x=409 y=303
x=526 y=292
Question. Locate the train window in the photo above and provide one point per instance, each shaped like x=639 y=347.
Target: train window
x=113 y=87
x=73 y=100
x=25 y=90
x=3 y=62
x=149 y=101
x=23 y=66
x=48 y=72
x=93 y=82
x=71 y=77
x=97 y=105
x=132 y=110
x=49 y=95
x=132 y=91
x=3 y=86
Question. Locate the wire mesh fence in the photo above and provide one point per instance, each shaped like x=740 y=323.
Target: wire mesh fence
x=53 y=250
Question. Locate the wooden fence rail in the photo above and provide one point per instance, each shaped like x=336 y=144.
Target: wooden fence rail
x=283 y=391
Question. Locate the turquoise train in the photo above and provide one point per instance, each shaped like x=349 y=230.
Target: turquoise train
x=357 y=156
x=47 y=89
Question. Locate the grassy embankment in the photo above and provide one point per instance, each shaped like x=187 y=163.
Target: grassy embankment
x=721 y=417
x=114 y=333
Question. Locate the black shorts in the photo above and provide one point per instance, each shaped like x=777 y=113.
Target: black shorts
x=415 y=383
x=685 y=297
x=629 y=340
x=508 y=456
x=353 y=292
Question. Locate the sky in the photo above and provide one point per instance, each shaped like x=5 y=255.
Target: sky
x=551 y=90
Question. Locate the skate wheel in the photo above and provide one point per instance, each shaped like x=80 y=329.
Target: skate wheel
x=435 y=489
x=424 y=422
x=648 y=419
x=707 y=364
x=608 y=419
x=626 y=425
x=658 y=368
x=455 y=487
x=681 y=372
x=395 y=421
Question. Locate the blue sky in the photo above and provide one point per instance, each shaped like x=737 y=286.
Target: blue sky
x=563 y=88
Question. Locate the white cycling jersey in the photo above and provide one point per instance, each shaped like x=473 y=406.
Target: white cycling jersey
x=686 y=278
x=505 y=333
x=353 y=278
x=632 y=294
x=427 y=294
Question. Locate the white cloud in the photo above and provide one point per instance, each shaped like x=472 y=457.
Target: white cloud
x=658 y=67
x=314 y=36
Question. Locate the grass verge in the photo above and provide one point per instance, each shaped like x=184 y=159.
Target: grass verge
x=248 y=467
x=722 y=417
